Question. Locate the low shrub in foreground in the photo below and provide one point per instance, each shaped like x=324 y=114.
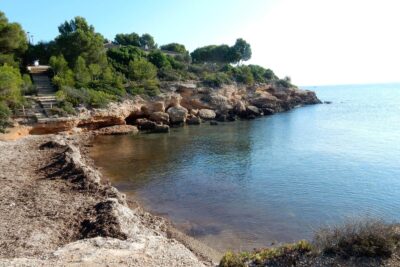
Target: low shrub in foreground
x=362 y=238
x=288 y=253
x=367 y=239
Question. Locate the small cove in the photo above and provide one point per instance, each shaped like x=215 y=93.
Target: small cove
x=248 y=184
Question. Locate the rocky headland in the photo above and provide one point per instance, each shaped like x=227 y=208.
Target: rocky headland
x=183 y=103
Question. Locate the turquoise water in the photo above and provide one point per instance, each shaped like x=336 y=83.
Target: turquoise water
x=246 y=184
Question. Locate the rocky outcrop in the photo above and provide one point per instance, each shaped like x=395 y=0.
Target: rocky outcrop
x=185 y=102
x=117 y=130
x=160 y=117
x=207 y=114
x=177 y=114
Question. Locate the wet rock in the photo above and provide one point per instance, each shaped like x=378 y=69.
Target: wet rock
x=193 y=120
x=231 y=117
x=160 y=117
x=145 y=124
x=177 y=114
x=161 y=128
x=213 y=123
x=207 y=114
x=252 y=110
x=117 y=130
x=221 y=117
x=240 y=107
x=268 y=111
x=328 y=102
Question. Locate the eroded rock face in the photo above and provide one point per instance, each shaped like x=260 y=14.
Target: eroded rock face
x=207 y=114
x=172 y=106
x=160 y=117
x=177 y=114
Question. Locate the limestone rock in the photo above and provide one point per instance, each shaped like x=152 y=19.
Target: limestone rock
x=118 y=130
x=207 y=114
x=161 y=128
x=193 y=120
x=160 y=117
x=253 y=110
x=177 y=114
x=145 y=124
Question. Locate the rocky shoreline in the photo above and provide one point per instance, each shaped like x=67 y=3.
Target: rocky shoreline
x=58 y=210
x=183 y=103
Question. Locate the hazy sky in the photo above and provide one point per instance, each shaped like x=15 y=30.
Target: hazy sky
x=312 y=41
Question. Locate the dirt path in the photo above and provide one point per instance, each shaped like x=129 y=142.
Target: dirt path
x=55 y=211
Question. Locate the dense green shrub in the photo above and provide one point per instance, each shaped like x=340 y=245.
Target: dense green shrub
x=159 y=59
x=4 y=117
x=10 y=86
x=84 y=96
x=28 y=88
x=243 y=74
x=169 y=74
x=174 y=47
x=216 y=79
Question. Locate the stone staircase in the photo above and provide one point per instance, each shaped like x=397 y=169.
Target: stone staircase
x=46 y=97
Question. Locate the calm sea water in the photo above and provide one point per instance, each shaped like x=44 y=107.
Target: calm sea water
x=274 y=179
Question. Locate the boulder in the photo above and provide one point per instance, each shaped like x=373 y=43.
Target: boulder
x=161 y=128
x=193 y=120
x=194 y=112
x=253 y=110
x=158 y=106
x=266 y=100
x=177 y=114
x=117 y=130
x=239 y=107
x=207 y=114
x=160 y=117
x=268 y=111
x=213 y=123
x=145 y=124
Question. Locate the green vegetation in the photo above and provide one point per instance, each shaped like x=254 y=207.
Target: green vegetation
x=361 y=238
x=260 y=257
x=356 y=240
x=86 y=73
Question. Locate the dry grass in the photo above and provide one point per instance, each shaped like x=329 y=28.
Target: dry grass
x=357 y=241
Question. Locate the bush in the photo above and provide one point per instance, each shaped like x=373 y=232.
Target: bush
x=283 y=83
x=28 y=88
x=4 y=117
x=360 y=238
x=10 y=86
x=285 y=255
x=216 y=79
x=168 y=74
x=243 y=74
x=136 y=90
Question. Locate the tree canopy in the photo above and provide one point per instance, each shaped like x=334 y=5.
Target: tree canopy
x=78 y=38
x=13 y=42
x=174 y=47
x=127 y=39
x=223 y=54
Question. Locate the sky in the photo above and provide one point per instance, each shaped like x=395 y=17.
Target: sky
x=315 y=42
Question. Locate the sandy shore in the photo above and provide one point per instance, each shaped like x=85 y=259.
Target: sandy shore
x=58 y=210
